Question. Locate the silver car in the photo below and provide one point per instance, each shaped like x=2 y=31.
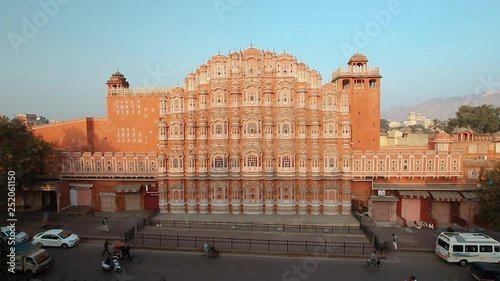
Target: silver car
x=20 y=236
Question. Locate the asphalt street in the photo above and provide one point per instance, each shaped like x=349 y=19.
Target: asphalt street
x=84 y=263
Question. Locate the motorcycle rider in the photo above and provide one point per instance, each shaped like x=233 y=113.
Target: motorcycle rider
x=109 y=261
x=373 y=258
x=126 y=252
x=212 y=252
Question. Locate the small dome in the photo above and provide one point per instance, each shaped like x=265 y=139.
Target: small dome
x=117 y=74
x=442 y=136
x=358 y=58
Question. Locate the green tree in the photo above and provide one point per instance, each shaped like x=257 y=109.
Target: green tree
x=437 y=125
x=480 y=119
x=384 y=125
x=489 y=195
x=22 y=155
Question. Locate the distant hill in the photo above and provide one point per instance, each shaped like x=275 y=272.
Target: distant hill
x=441 y=108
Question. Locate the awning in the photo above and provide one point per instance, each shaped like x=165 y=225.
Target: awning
x=446 y=195
x=384 y=199
x=128 y=187
x=470 y=195
x=79 y=185
x=414 y=193
x=48 y=186
x=428 y=187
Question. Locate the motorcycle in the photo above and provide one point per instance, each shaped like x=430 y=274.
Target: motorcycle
x=213 y=253
x=371 y=265
x=112 y=264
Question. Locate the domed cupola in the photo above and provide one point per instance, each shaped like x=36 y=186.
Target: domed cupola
x=118 y=81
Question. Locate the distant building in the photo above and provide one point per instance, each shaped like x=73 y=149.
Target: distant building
x=40 y=120
x=417 y=119
x=395 y=124
x=398 y=138
x=27 y=119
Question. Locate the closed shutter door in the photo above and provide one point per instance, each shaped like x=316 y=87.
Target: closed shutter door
x=381 y=211
x=441 y=211
x=108 y=204
x=133 y=201
x=73 y=197
x=151 y=203
x=84 y=197
x=410 y=210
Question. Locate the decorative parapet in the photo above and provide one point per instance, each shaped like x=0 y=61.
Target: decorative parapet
x=138 y=92
x=355 y=71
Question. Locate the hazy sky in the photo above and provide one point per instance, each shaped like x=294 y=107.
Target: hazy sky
x=56 y=55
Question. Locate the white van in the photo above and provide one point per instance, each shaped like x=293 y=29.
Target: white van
x=464 y=248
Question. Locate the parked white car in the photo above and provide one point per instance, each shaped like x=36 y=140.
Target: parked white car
x=21 y=236
x=56 y=238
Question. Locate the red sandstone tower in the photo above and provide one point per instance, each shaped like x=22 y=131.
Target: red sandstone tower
x=361 y=83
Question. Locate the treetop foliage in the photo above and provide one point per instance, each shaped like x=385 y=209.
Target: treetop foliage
x=480 y=119
x=22 y=153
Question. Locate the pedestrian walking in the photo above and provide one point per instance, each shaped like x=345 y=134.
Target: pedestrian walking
x=106 y=247
x=395 y=241
x=105 y=225
x=206 y=247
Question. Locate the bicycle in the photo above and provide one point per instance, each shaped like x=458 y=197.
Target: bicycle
x=135 y=259
x=369 y=265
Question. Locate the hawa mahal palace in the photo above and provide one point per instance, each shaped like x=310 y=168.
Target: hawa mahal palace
x=256 y=132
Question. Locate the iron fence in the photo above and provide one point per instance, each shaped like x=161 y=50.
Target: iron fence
x=253 y=245
x=257 y=227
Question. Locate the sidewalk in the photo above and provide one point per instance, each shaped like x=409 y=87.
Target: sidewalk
x=87 y=227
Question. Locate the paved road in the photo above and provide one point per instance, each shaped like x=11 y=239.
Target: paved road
x=83 y=263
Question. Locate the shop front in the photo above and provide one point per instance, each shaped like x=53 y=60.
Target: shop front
x=410 y=206
x=80 y=194
x=444 y=205
x=469 y=207
x=108 y=201
x=131 y=195
x=48 y=196
x=383 y=208
x=151 y=198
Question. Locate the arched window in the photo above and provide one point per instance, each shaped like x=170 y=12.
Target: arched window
x=286 y=128
x=285 y=161
x=219 y=162
x=218 y=129
x=252 y=161
x=252 y=128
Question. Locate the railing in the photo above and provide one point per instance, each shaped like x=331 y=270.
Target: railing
x=253 y=245
x=378 y=244
x=267 y=227
x=401 y=221
x=460 y=221
x=132 y=232
x=145 y=221
x=355 y=70
x=128 y=235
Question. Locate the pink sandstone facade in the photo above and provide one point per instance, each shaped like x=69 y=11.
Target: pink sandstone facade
x=257 y=132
